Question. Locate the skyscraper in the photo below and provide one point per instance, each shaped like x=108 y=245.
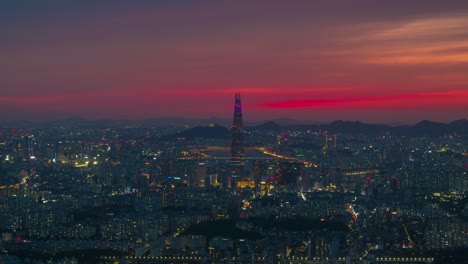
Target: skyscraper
x=238 y=143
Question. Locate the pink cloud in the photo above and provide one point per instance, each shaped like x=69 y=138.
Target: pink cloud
x=448 y=99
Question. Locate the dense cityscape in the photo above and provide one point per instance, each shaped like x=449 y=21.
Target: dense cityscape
x=76 y=191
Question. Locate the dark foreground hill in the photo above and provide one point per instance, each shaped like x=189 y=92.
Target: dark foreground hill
x=210 y=131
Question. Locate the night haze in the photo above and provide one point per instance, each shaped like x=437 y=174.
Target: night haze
x=312 y=61
x=234 y=132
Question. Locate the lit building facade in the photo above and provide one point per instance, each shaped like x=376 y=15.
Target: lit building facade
x=237 y=144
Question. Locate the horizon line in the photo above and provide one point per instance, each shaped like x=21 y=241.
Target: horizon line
x=227 y=119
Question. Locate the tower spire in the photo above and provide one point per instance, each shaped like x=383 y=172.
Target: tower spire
x=237 y=120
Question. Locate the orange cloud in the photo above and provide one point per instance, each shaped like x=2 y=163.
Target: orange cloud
x=438 y=40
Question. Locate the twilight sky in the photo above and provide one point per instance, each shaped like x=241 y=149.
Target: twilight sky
x=374 y=61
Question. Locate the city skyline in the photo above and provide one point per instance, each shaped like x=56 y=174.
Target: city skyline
x=312 y=62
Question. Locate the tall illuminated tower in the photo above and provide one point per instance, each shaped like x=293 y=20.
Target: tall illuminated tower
x=238 y=143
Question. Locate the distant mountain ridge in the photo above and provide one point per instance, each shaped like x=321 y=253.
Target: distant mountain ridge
x=199 y=128
x=210 y=131
x=111 y=123
x=267 y=126
x=423 y=128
